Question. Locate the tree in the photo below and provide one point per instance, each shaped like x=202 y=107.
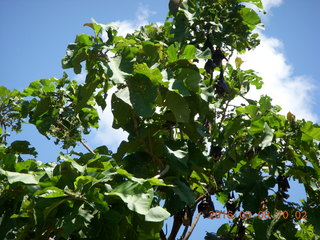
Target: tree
x=176 y=94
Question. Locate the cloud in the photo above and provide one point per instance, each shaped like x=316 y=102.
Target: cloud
x=142 y=15
x=292 y=93
x=106 y=134
x=268 y=4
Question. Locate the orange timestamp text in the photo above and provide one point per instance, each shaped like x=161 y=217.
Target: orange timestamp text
x=261 y=215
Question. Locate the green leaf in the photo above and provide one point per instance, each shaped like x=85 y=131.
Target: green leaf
x=260 y=228
x=179 y=107
x=252 y=110
x=77 y=166
x=249 y=16
x=172 y=53
x=121 y=108
x=143 y=104
x=238 y=61
x=189 y=52
x=258 y=3
x=83 y=39
x=267 y=136
x=48 y=85
x=157 y=214
x=136 y=196
x=116 y=74
x=96 y=27
x=184 y=192
x=265 y=103
x=311 y=130
x=190 y=77
x=206 y=54
x=179 y=86
x=257 y=127
x=154 y=75
x=14 y=177
x=50 y=192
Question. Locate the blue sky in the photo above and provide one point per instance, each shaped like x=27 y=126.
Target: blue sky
x=34 y=35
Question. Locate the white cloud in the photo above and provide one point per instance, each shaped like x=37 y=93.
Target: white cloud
x=292 y=93
x=267 y=4
x=106 y=134
x=142 y=15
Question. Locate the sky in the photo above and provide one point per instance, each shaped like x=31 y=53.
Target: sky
x=34 y=36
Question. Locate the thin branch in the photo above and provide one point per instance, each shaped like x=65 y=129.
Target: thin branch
x=224 y=114
x=184 y=232
x=177 y=222
x=193 y=209
x=86 y=146
x=192 y=226
x=162 y=235
x=164 y=171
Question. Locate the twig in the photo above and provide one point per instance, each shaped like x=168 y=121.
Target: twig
x=192 y=226
x=175 y=226
x=193 y=209
x=86 y=146
x=184 y=232
x=224 y=114
x=164 y=171
x=162 y=235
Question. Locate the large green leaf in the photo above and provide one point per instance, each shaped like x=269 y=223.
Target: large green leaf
x=190 y=77
x=179 y=106
x=116 y=74
x=137 y=197
x=143 y=104
x=50 y=192
x=311 y=130
x=250 y=17
x=172 y=53
x=157 y=214
x=189 y=52
x=14 y=177
x=184 y=192
x=267 y=136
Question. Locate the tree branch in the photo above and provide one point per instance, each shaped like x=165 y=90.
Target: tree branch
x=163 y=172
x=162 y=235
x=192 y=226
x=175 y=226
x=224 y=114
x=86 y=146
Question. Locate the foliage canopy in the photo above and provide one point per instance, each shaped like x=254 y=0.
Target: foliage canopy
x=176 y=95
